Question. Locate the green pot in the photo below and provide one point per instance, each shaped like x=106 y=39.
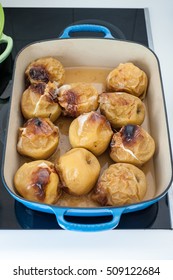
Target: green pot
x=4 y=38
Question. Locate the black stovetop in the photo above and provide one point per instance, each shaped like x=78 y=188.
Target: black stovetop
x=26 y=25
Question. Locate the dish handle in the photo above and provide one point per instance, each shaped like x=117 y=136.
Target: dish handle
x=6 y=39
x=62 y=215
x=86 y=28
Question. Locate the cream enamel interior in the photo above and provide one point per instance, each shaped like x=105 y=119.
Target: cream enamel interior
x=99 y=53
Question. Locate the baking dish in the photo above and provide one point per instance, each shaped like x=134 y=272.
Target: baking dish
x=94 y=53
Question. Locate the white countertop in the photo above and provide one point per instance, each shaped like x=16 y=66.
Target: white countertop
x=112 y=245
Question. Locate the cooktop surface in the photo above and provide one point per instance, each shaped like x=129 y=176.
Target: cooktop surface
x=26 y=25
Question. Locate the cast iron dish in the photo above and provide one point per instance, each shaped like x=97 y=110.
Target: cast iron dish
x=94 y=52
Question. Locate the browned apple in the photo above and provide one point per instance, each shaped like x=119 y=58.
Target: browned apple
x=121 y=108
x=132 y=144
x=40 y=100
x=120 y=184
x=129 y=78
x=45 y=69
x=91 y=131
x=78 y=98
x=38 y=181
x=38 y=138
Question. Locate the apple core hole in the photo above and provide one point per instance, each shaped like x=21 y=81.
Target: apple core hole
x=88 y=160
x=138 y=109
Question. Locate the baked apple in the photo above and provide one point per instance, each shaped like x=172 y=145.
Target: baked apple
x=78 y=170
x=121 y=108
x=132 y=144
x=120 y=184
x=40 y=100
x=78 y=98
x=38 y=181
x=91 y=131
x=128 y=78
x=38 y=138
x=45 y=69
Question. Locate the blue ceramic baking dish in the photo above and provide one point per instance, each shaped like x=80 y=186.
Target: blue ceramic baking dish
x=105 y=52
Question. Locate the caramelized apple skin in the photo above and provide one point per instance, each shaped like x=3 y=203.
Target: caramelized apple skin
x=78 y=98
x=38 y=138
x=91 y=131
x=38 y=181
x=120 y=184
x=132 y=144
x=128 y=78
x=44 y=70
x=40 y=100
x=121 y=108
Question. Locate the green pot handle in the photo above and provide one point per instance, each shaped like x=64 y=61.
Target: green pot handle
x=6 y=39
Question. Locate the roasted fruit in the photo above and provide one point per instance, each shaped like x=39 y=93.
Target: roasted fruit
x=128 y=78
x=40 y=100
x=120 y=184
x=78 y=98
x=38 y=138
x=45 y=69
x=91 y=131
x=78 y=170
x=121 y=108
x=38 y=181
x=132 y=144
